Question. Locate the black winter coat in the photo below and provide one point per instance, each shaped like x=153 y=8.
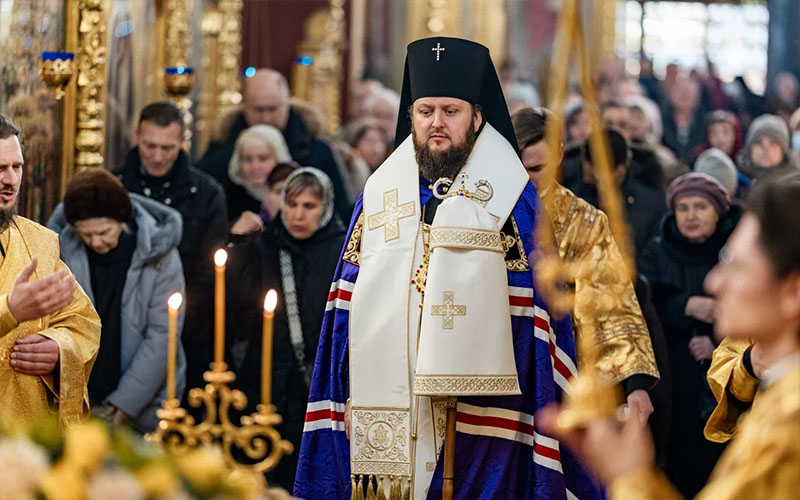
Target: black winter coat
x=306 y=150
x=201 y=203
x=676 y=270
x=314 y=261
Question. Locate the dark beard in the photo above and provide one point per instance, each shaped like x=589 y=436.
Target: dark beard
x=7 y=215
x=435 y=165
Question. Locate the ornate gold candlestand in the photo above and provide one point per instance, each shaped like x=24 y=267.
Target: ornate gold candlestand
x=256 y=436
x=56 y=70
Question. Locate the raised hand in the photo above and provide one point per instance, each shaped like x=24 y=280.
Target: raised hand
x=31 y=300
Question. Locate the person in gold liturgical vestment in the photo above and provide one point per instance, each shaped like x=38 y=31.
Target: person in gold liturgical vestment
x=605 y=303
x=49 y=331
x=757 y=288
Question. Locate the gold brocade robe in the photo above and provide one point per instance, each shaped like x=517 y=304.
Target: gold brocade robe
x=727 y=374
x=76 y=330
x=761 y=462
x=605 y=301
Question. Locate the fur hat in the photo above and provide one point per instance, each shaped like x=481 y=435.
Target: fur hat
x=95 y=192
x=696 y=184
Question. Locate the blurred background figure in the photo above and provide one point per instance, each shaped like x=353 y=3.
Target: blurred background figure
x=766 y=149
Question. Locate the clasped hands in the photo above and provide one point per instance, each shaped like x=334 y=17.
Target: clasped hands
x=36 y=354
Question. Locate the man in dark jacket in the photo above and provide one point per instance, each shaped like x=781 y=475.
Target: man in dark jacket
x=266 y=102
x=644 y=205
x=159 y=169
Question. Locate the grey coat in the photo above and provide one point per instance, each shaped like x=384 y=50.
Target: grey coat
x=155 y=274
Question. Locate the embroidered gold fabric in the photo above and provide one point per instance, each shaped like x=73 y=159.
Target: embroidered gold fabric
x=391 y=214
x=448 y=309
x=512 y=245
x=605 y=302
x=352 y=252
x=76 y=330
x=469 y=239
x=762 y=461
x=456 y=384
x=381 y=443
x=727 y=373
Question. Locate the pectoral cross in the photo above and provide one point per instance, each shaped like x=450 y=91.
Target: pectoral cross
x=438 y=49
x=448 y=309
x=392 y=213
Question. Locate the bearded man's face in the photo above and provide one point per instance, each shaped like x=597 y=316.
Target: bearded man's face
x=444 y=131
x=10 y=178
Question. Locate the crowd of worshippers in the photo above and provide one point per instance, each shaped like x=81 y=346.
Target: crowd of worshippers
x=277 y=192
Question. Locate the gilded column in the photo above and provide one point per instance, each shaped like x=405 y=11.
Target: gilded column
x=177 y=46
x=229 y=53
x=210 y=26
x=428 y=18
x=91 y=83
x=327 y=72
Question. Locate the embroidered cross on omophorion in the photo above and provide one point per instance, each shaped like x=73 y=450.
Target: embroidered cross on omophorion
x=448 y=310
x=438 y=49
x=392 y=213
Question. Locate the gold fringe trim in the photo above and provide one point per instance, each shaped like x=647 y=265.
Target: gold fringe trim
x=381 y=493
x=353 y=487
x=360 y=489
x=370 y=489
x=407 y=492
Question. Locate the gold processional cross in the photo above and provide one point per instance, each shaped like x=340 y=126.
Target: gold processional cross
x=448 y=310
x=391 y=214
x=438 y=49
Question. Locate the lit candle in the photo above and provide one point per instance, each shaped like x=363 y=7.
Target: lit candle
x=173 y=303
x=270 y=301
x=220 y=257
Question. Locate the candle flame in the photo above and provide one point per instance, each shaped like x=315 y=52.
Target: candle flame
x=270 y=301
x=220 y=257
x=175 y=300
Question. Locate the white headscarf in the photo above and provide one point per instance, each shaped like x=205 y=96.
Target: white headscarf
x=266 y=134
x=323 y=184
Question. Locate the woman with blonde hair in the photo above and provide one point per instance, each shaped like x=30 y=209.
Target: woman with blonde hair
x=258 y=149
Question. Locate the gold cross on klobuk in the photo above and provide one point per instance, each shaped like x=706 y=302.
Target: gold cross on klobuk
x=448 y=310
x=391 y=214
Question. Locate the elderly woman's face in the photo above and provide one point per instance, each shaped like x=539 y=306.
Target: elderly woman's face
x=101 y=234
x=257 y=160
x=696 y=218
x=302 y=212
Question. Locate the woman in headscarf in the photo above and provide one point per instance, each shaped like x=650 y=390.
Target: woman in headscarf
x=296 y=255
x=723 y=132
x=258 y=149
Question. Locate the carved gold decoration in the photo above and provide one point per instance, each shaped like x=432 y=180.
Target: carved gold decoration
x=428 y=18
x=229 y=52
x=91 y=82
x=390 y=216
x=210 y=26
x=256 y=437
x=177 y=51
x=520 y=264
x=317 y=74
x=352 y=252
x=448 y=310
x=56 y=70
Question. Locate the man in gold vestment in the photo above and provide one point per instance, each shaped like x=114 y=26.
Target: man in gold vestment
x=49 y=331
x=605 y=301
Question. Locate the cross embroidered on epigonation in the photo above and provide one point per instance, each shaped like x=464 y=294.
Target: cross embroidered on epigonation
x=448 y=310
x=392 y=213
x=438 y=49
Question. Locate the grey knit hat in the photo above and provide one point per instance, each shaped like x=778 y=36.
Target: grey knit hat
x=719 y=166
x=695 y=184
x=771 y=126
